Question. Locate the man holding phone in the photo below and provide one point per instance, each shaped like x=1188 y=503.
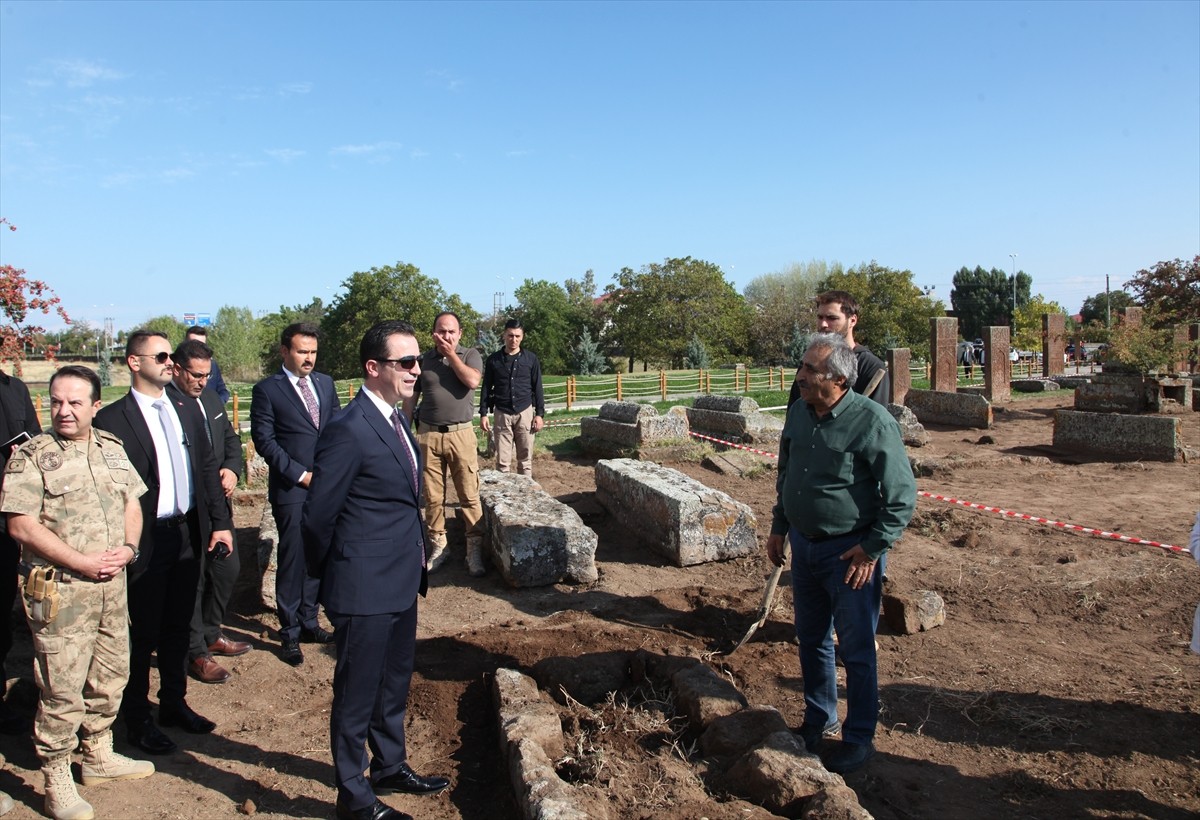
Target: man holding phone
x=219 y=568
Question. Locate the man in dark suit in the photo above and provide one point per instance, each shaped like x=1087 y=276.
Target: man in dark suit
x=362 y=539
x=287 y=412
x=17 y=417
x=165 y=440
x=218 y=569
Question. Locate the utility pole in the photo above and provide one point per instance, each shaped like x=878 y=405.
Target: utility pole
x=1014 y=308
x=1107 y=305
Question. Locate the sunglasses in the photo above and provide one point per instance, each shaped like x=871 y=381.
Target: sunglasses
x=405 y=362
x=160 y=358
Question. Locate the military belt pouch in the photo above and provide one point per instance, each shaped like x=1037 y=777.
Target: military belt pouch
x=41 y=593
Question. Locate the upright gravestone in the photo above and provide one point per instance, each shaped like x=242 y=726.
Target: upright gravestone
x=901 y=381
x=944 y=377
x=996 y=366
x=1054 y=343
x=1132 y=316
x=1194 y=355
x=1181 y=364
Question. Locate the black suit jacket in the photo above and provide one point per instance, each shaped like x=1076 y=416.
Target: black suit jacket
x=283 y=432
x=226 y=444
x=362 y=523
x=17 y=415
x=124 y=419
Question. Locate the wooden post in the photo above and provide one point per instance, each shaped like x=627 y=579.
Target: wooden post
x=662 y=383
x=236 y=422
x=708 y=381
x=700 y=386
x=618 y=387
x=747 y=380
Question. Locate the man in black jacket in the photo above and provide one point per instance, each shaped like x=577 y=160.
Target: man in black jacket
x=219 y=569
x=18 y=422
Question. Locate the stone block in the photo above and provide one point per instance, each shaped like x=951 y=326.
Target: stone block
x=735 y=463
x=626 y=411
x=954 y=409
x=268 y=557
x=741 y=731
x=911 y=430
x=725 y=404
x=1134 y=393
x=914 y=612
x=944 y=353
x=898 y=359
x=684 y=520
x=1118 y=435
x=525 y=713
x=997 y=369
x=703 y=696
x=783 y=777
x=754 y=428
x=532 y=538
x=1054 y=343
x=1034 y=385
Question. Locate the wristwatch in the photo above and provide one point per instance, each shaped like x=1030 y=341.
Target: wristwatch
x=134 y=549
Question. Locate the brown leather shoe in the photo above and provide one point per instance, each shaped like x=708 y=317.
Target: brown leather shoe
x=228 y=647
x=206 y=670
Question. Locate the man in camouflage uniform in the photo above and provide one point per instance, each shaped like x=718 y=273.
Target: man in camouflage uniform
x=71 y=498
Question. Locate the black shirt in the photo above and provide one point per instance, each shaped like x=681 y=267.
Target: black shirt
x=512 y=383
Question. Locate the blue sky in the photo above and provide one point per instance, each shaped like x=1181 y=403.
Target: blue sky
x=168 y=157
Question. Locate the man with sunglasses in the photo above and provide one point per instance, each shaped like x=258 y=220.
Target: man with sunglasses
x=288 y=411
x=362 y=539
x=194 y=365
x=184 y=512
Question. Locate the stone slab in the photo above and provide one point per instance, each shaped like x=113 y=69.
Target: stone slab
x=739 y=428
x=533 y=538
x=1034 y=385
x=726 y=404
x=678 y=516
x=1119 y=435
x=626 y=411
x=954 y=409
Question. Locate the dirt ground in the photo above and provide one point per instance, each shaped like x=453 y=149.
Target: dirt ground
x=1061 y=684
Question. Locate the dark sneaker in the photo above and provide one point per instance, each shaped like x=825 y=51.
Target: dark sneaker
x=811 y=735
x=848 y=757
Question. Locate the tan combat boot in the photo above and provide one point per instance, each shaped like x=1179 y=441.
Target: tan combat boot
x=438 y=552
x=62 y=800
x=6 y=803
x=101 y=764
x=475 y=567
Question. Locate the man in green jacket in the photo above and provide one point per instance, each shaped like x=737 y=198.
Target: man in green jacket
x=846 y=493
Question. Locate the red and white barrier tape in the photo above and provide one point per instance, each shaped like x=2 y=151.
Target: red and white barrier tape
x=731 y=444
x=999 y=510
x=1060 y=524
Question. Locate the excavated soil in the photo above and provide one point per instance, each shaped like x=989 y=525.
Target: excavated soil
x=1061 y=684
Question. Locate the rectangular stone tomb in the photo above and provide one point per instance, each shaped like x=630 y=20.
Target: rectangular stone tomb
x=733 y=418
x=1118 y=435
x=681 y=518
x=955 y=409
x=533 y=538
x=626 y=425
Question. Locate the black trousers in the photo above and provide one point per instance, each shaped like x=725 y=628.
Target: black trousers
x=10 y=555
x=295 y=592
x=217 y=579
x=162 y=600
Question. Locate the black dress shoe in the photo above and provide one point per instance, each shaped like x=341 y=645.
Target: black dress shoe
x=406 y=780
x=316 y=635
x=150 y=739
x=376 y=811
x=186 y=718
x=291 y=653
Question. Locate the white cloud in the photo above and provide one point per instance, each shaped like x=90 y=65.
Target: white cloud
x=284 y=154
x=524 y=152
x=176 y=174
x=81 y=73
x=444 y=79
x=367 y=149
x=417 y=153
x=289 y=89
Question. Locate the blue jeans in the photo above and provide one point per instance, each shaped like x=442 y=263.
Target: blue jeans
x=823 y=600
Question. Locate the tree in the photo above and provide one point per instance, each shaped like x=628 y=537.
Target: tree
x=19 y=297
x=983 y=298
x=796 y=346
x=546 y=317
x=168 y=324
x=397 y=291
x=780 y=300
x=586 y=310
x=696 y=355
x=1172 y=288
x=1029 y=322
x=893 y=312
x=657 y=309
x=272 y=325
x=236 y=339
x=1096 y=308
x=588 y=359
